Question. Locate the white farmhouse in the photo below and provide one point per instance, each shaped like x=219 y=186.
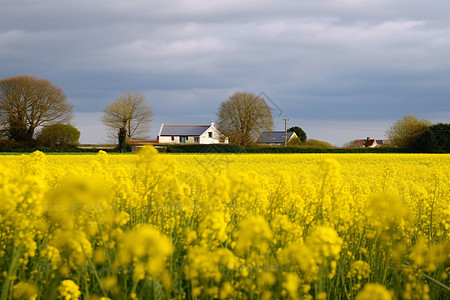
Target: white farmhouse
x=190 y=134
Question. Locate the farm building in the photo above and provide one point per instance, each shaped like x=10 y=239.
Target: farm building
x=190 y=134
x=370 y=143
x=275 y=137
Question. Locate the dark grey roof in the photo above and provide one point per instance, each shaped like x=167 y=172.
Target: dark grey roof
x=183 y=130
x=274 y=136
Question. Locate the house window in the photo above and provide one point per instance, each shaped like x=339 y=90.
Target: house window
x=210 y=134
x=172 y=138
x=196 y=139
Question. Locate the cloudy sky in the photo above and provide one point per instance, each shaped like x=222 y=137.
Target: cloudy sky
x=340 y=69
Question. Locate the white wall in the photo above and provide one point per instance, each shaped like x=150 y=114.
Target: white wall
x=215 y=139
x=166 y=140
x=176 y=140
x=203 y=139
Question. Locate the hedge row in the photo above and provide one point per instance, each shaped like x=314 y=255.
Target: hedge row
x=200 y=148
x=331 y=150
x=221 y=148
x=11 y=146
x=29 y=147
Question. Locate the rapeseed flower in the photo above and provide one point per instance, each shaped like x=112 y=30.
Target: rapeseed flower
x=146 y=249
x=25 y=291
x=68 y=290
x=359 y=270
x=225 y=226
x=254 y=232
x=374 y=291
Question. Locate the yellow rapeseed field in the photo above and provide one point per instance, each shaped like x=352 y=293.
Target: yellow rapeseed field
x=265 y=226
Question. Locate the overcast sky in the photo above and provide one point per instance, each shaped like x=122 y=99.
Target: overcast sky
x=340 y=69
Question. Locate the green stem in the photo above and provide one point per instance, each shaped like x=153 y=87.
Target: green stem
x=133 y=289
x=94 y=269
x=11 y=272
x=436 y=281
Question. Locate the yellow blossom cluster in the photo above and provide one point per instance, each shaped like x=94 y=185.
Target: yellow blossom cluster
x=208 y=226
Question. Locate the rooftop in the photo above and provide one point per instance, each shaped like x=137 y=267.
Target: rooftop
x=183 y=130
x=278 y=137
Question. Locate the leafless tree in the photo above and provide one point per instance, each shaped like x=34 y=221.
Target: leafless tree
x=27 y=102
x=128 y=112
x=243 y=116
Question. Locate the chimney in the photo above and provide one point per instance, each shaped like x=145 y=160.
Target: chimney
x=368 y=138
x=213 y=124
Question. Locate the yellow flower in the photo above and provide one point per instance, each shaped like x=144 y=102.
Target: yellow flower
x=237 y=222
x=429 y=257
x=291 y=285
x=109 y=283
x=226 y=291
x=146 y=248
x=204 y=264
x=102 y=157
x=360 y=270
x=374 y=291
x=25 y=291
x=416 y=291
x=52 y=254
x=213 y=226
x=326 y=242
x=99 y=255
x=268 y=278
x=385 y=209
x=322 y=296
x=302 y=257
x=77 y=201
x=73 y=247
x=68 y=290
x=253 y=232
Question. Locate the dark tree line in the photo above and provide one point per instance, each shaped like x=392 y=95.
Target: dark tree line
x=435 y=139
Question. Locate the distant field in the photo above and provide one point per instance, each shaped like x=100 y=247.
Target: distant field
x=261 y=226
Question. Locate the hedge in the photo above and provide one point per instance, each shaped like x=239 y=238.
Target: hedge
x=225 y=148
x=11 y=146
x=29 y=147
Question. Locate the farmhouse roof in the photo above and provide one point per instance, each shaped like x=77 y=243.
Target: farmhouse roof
x=274 y=137
x=369 y=142
x=183 y=130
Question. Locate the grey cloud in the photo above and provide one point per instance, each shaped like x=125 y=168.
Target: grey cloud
x=327 y=59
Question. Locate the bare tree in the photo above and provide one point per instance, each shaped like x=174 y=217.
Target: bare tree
x=27 y=102
x=128 y=112
x=243 y=116
x=403 y=132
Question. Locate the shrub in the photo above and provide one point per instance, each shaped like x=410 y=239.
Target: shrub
x=58 y=135
x=316 y=144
